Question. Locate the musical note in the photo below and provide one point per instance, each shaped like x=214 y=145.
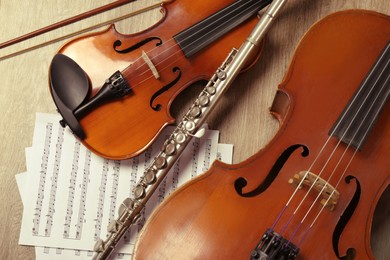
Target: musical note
x=42 y=179
x=100 y=206
x=71 y=190
x=81 y=192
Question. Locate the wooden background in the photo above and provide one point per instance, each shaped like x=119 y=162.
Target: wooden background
x=242 y=116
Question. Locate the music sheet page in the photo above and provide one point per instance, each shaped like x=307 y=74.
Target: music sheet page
x=70 y=194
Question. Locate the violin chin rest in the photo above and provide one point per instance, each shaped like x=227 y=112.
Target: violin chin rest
x=69 y=86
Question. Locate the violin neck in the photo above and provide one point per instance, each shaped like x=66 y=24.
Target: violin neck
x=203 y=33
x=362 y=111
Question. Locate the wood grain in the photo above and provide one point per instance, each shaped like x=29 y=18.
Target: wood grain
x=242 y=116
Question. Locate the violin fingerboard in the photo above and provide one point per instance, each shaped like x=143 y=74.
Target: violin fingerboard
x=200 y=35
x=355 y=123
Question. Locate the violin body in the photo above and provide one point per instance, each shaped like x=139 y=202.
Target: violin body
x=224 y=213
x=125 y=127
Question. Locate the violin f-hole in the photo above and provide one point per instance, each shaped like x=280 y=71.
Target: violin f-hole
x=344 y=218
x=240 y=183
x=164 y=89
x=138 y=45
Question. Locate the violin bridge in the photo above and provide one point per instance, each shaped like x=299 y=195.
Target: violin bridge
x=150 y=65
x=330 y=195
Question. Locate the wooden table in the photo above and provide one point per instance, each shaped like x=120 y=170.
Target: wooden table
x=242 y=116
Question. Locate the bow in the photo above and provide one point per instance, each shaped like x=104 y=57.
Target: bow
x=71 y=20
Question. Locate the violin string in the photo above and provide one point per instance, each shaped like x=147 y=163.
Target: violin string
x=337 y=145
x=386 y=95
x=324 y=146
x=344 y=154
x=126 y=74
x=356 y=132
x=348 y=164
x=312 y=186
x=193 y=43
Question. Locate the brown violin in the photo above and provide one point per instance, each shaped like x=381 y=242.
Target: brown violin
x=312 y=191
x=114 y=91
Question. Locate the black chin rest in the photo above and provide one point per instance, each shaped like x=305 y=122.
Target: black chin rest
x=69 y=86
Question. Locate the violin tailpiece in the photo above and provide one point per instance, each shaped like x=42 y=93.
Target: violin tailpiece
x=274 y=246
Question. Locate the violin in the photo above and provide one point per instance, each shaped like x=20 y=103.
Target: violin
x=312 y=191
x=130 y=211
x=114 y=91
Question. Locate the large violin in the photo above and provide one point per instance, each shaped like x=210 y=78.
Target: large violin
x=114 y=91
x=312 y=191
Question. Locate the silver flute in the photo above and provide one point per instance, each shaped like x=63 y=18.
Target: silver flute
x=189 y=126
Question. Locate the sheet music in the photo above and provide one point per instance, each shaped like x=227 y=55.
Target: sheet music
x=73 y=194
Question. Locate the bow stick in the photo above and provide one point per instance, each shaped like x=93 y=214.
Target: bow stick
x=68 y=21
x=65 y=22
